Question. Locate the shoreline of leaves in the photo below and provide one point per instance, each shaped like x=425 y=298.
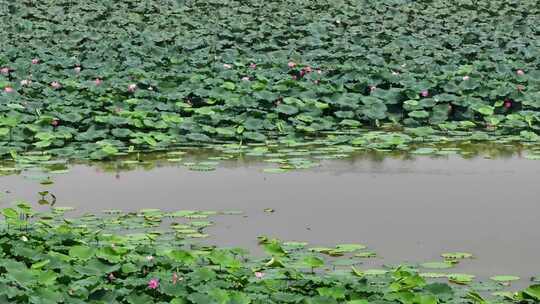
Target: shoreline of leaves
x=160 y=73
x=49 y=258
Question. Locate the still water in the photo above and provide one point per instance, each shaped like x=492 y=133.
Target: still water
x=405 y=210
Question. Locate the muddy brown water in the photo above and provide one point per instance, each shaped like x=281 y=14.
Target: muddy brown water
x=405 y=210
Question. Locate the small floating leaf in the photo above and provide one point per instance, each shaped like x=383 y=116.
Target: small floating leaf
x=47 y=181
x=456 y=255
x=350 y=247
x=505 y=278
x=275 y=170
x=460 y=278
x=437 y=265
x=63 y=209
x=366 y=254
x=294 y=245
x=201 y=168
x=424 y=151
x=433 y=275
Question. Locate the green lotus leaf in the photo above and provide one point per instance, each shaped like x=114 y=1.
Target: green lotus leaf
x=437 y=265
x=504 y=278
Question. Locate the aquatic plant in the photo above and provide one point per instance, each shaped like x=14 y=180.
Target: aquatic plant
x=119 y=75
x=115 y=257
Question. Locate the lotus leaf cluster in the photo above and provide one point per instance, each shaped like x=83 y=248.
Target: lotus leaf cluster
x=80 y=77
x=47 y=257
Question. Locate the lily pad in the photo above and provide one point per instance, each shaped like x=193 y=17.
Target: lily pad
x=505 y=278
x=457 y=255
x=350 y=247
x=461 y=278
x=437 y=265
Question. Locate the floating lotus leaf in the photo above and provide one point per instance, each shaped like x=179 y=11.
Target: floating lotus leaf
x=350 y=247
x=460 y=278
x=456 y=255
x=437 y=265
x=504 y=278
x=366 y=254
x=434 y=275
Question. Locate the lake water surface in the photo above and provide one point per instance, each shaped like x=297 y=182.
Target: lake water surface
x=405 y=210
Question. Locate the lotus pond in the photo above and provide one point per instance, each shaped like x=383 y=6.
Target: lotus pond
x=237 y=152
x=226 y=226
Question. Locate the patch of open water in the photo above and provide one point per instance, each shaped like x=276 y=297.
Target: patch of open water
x=405 y=210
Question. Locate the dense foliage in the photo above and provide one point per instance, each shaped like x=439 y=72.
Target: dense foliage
x=47 y=258
x=111 y=74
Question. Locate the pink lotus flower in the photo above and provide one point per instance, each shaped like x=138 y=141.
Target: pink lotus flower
x=246 y=78
x=308 y=69
x=507 y=104
x=132 y=88
x=4 y=71
x=77 y=69
x=316 y=81
x=253 y=66
x=302 y=73
x=520 y=72
x=35 y=61
x=150 y=88
x=291 y=64
x=9 y=90
x=372 y=88
x=56 y=85
x=111 y=277
x=153 y=284
x=227 y=66
x=26 y=82
x=465 y=78
x=97 y=81
x=259 y=275
x=424 y=93
x=149 y=258
x=55 y=122
x=294 y=77
x=395 y=73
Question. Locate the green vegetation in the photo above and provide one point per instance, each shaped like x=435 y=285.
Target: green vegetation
x=279 y=157
x=292 y=82
x=84 y=79
x=133 y=258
